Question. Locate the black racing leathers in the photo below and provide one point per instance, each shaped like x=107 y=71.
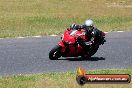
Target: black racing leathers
x=93 y=37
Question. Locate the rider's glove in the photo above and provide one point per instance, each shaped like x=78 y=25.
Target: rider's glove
x=103 y=41
x=89 y=43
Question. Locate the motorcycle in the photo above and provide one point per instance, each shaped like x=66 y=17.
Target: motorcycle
x=71 y=45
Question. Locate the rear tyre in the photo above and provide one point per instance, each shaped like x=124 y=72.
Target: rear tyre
x=93 y=51
x=55 y=53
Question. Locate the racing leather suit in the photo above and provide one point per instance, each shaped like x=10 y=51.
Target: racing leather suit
x=93 y=37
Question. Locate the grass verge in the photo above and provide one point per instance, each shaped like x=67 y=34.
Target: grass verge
x=45 y=17
x=58 y=80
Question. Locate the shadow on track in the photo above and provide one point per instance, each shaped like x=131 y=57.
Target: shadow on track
x=84 y=59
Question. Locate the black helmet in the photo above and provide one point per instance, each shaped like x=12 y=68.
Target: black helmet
x=77 y=27
x=73 y=25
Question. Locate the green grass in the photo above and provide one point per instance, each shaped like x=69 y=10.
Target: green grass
x=45 y=17
x=59 y=80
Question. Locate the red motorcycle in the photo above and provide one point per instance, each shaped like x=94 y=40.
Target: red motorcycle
x=71 y=45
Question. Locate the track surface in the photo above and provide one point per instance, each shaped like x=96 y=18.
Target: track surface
x=30 y=55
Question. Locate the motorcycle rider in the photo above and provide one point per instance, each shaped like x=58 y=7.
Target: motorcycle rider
x=92 y=33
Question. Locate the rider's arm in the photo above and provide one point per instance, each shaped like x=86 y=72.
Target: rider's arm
x=69 y=29
x=93 y=36
x=96 y=33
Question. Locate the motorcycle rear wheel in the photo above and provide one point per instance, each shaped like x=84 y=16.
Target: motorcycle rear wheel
x=93 y=51
x=54 y=54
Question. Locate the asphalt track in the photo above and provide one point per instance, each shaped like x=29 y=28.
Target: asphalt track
x=30 y=55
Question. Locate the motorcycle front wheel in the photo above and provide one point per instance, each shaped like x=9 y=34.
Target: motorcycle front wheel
x=54 y=54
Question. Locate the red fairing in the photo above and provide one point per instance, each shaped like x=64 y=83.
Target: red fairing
x=74 y=51
x=69 y=37
x=72 y=35
x=61 y=44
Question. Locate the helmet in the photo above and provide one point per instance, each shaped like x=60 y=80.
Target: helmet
x=77 y=27
x=73 y=25
x=89 y=24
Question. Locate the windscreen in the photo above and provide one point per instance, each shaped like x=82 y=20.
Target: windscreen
x=73 y=32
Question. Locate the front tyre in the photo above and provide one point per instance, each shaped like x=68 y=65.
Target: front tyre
x=55 y=53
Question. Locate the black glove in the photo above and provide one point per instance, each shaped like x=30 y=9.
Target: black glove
x=103 y=41
x=79 y=39
x=89 y=43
